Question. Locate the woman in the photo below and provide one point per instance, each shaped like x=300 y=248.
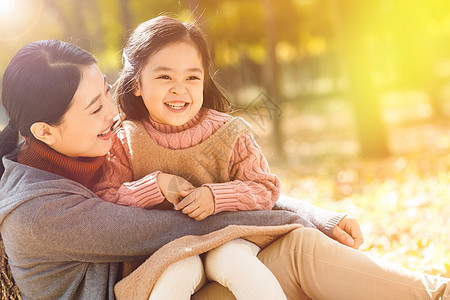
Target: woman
x=64 y=242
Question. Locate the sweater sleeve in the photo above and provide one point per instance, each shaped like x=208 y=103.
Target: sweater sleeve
x=323 y=219
x=251 y=185
x=88 y=229
x=116 y=184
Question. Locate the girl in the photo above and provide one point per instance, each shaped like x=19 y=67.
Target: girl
x=184 y=134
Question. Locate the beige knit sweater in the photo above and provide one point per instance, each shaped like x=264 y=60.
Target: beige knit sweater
x=203 y=163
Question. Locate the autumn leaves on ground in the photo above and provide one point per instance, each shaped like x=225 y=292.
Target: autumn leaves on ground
x=402 y=201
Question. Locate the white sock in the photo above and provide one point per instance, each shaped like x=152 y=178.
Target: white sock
x=180 y=280
x=235 y=266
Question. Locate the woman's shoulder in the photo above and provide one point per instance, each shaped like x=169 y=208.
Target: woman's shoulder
x=27 y=175
x=21 y=183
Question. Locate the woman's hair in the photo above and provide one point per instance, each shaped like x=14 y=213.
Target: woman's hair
x=38 y=86
x=147 y=39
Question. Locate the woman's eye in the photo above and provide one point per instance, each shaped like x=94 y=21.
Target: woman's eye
x=163 y=77
x=98 y=110
x=193 y=78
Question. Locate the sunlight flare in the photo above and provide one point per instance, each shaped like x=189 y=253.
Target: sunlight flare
x=7 y=7
x=18 y=17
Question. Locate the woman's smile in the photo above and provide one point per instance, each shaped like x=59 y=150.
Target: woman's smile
x=106 y=134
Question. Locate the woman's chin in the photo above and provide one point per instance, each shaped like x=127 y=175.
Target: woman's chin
x=101 y=148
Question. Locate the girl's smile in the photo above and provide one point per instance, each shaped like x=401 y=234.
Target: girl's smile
x=177 y=106
x=171 y=84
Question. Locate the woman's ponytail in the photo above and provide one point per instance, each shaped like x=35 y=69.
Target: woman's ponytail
x=8 y=141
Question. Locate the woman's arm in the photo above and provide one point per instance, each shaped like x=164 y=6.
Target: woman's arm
x=89 y=229
x=323 y=219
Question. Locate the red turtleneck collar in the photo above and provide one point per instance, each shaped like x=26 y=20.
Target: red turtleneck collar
x=36 y=154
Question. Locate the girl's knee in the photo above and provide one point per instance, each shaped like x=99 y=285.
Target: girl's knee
x=237 y=248
x=192 y=264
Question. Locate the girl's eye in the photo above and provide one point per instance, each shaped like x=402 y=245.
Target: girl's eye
x=193 y=78
x=98 y=109
x=163 y=77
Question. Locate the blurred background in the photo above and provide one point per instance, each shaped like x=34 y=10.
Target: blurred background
x=349 y=100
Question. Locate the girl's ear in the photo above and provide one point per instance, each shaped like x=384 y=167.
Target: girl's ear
x=43 y=132
x=137 y=90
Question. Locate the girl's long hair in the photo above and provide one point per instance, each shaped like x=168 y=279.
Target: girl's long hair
x=38 y=86
x=148 y=38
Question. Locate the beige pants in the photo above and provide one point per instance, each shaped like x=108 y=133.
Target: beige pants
x=310 y=265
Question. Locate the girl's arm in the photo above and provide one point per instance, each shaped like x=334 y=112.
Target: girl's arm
x=117 y=185
x=251 y=185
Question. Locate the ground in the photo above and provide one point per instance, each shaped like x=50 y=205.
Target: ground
x=402 y=201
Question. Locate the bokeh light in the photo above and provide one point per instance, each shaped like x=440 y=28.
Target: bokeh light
x=18 y=17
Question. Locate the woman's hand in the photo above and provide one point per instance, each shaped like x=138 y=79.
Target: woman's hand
x=198 y=203
x=348 y=232
x=172 y=185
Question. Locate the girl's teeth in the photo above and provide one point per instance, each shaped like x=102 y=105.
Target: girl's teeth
x=176 y=106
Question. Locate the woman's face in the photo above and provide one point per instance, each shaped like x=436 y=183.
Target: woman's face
x=171 y=84
x=85 y=128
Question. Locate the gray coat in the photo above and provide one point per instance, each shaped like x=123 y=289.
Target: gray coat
x=63 y=242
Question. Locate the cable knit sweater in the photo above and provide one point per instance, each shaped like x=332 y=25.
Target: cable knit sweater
x=251 y=185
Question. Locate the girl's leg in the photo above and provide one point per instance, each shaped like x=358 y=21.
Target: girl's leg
x=234 y=265
x=308 y=264
x=180 y=280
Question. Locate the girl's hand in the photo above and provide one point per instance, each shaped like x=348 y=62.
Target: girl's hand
x=172 y=185
x=198 y=203
x=348 y=232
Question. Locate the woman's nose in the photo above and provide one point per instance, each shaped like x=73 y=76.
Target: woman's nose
x=112 y=109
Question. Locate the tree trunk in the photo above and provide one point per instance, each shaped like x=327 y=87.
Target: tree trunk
x=357 y=17
x=99 y=33
x=270 y=79
x=68 y=30
x=126 y=18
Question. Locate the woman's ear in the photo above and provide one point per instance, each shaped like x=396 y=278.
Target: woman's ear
x=43 y=132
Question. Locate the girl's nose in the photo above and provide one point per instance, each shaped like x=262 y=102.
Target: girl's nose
x=178 y=88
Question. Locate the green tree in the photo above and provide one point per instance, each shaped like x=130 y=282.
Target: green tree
x=358 y=20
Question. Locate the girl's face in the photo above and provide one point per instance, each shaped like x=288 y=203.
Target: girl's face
x=171 y=84
x=85 y=128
